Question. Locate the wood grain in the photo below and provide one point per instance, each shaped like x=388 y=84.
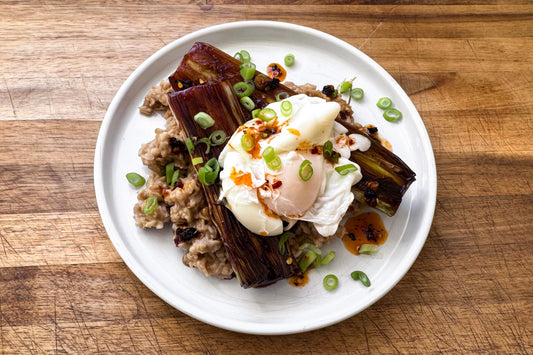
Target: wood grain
x=467 y=66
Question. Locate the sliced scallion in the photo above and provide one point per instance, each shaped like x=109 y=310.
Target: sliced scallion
x=247 y=70
x=282 y=96
x=329 y=154
x=327 y=259
x=243 y=56
x=207 y=142
x=286 y=108
x=150 y=204
x=357 y=94
x=345 y=169
x=175 y=178
x=267 y=114
x=238 y=56
x=243 y=88
x=169 y=171
x=327 y=149
x=208 y=173
x=261 y=81
x=274 y=164
x=330 y=282
x=345 y=86
x=392 y=115
x=271 y=158
x=247 y=103
x=384 y=103
x=190 y=145
x=204 y=120
x=318 y=261
x=306 y=170
x=282 y=241
x=218 y=137
x=368 y=249
x=255 y=112
x=135 y=179
x=197 y=160
x=289 y=60
x=361 y=276
x=247 y=142
x=307 y=260
x=312 y=247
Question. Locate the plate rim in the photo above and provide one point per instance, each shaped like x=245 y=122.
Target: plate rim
x=137 y=269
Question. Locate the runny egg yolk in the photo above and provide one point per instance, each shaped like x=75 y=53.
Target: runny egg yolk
x=294 y=196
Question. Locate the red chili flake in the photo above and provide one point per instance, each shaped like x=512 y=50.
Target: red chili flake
x=372 y=233
x=276 y=185
x=328 y=90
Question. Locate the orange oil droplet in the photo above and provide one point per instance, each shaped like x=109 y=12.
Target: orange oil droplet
x=366 y=228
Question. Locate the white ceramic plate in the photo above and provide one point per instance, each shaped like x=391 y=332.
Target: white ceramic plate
x=278 y=309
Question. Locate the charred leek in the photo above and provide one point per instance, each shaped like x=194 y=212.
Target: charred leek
x=256 y=260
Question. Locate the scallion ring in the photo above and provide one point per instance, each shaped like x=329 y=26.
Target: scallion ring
x=329 y=153
x=243 y=89
x=218 y=137
x=345 y=86
x=190 y=145
x=135 y=179
x=327 y=149
x=247 y=142
x=306 y=170
x=204 y=120
x=150 y=204
x=271 y=158
x=247 y=103
x=289 y=60
x=267 y=114
x=286 y=108
x=207 y=142
x=245 y=56
x=169 y=171
x=282 y=96
x=345 y=169
x=392 y=115
x=361 y=276
x=238 y=56
x=208 y=173
x=247 y=70
x=255 y=112
x=197 y=160
x=330 y=282
x=261 y=81
x=357 y=94
x=384 y=103
x=368 y=249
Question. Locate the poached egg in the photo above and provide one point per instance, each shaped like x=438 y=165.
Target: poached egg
x=264 y=199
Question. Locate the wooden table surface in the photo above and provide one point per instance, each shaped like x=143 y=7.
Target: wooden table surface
x=468 y=67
